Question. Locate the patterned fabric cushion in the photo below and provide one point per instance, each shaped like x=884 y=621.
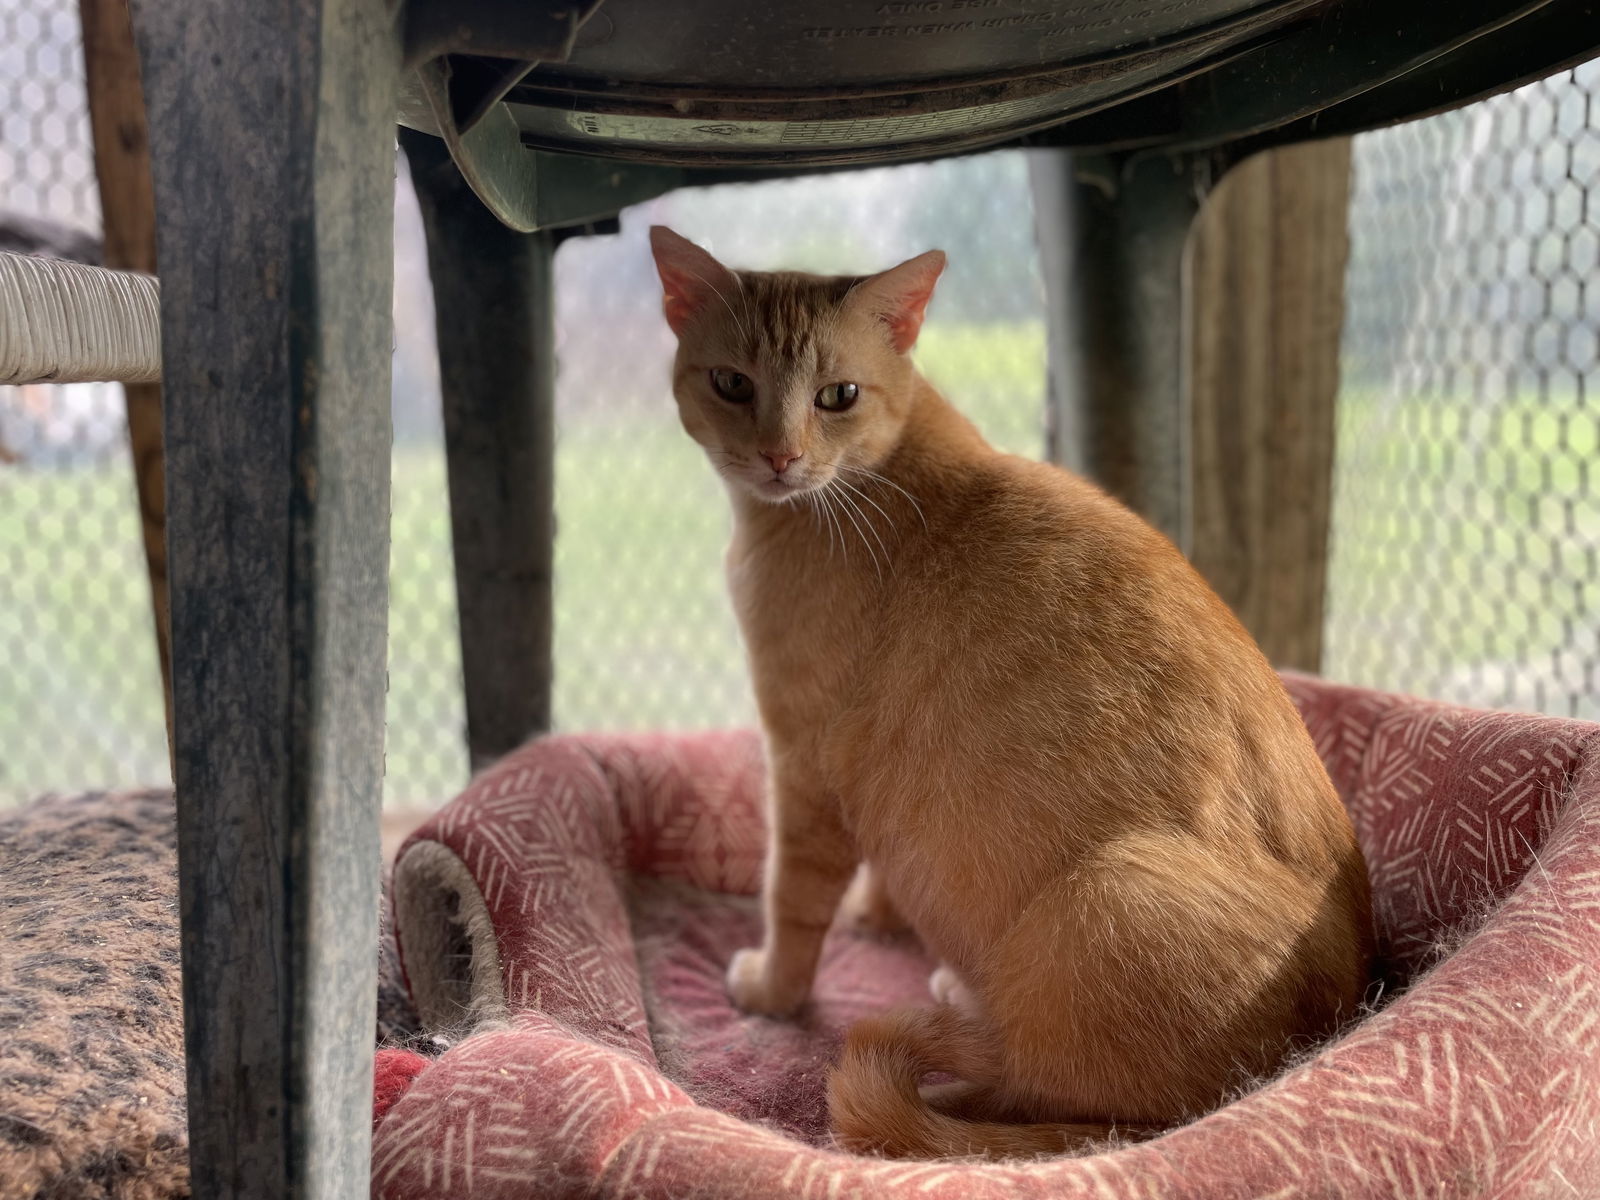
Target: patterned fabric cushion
x=1450 y=803
x=576 y=906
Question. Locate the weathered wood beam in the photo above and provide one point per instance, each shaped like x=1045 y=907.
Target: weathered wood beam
x=272 y=147
x=1266 y=285
x=128 y=242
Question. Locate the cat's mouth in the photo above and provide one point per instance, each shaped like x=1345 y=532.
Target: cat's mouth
x=764 y=484
x=781 y=488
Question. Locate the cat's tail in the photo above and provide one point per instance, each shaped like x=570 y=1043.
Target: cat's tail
x=876 y=1107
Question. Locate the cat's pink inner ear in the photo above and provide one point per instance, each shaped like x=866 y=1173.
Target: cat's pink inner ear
x=900 y=296
x=690 y=277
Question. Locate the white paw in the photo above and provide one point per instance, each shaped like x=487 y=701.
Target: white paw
x=867 y=909
x=948 y=988
x=750 y=986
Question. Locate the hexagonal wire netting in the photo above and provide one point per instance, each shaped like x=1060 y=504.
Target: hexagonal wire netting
x=1465 y=523
x=1466 y=513
x=77 y=655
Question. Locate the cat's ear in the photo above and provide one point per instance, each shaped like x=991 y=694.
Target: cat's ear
x=899 y=296
x=690 y=278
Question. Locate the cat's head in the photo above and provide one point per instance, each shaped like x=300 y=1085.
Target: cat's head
x=785 y=379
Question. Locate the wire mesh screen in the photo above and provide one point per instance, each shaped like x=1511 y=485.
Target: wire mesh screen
x=644 y=636
x=46 y=164
x=80 y=693
x=1465 y=523
x=79 y=674
x=1466 y=512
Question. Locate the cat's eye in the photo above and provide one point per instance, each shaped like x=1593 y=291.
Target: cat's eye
x=837 y=397
x=733 y=387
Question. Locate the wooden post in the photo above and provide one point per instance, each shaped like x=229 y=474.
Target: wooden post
x=127 y=207
x=1266 y=281
x=495 y=318
x=272 y=143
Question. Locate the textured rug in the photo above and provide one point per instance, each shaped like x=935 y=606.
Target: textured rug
x=91 y=1032
x=91 y=1041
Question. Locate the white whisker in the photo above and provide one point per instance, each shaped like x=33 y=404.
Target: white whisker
x=816 y=519
x=850 y=510
x=828 y=514
x=837 y=529
x=887 y=482
x=845 y=483
x=867 y=518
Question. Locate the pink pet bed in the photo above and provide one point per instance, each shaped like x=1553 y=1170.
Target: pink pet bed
x=566 y=923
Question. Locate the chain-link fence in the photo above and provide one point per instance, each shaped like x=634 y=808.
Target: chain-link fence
x=46 y=164
x=80 y=694
x=79 y=664
x=644 y=634
x=1466 y=519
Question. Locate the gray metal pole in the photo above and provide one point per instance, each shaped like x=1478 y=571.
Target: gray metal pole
x=1112 y=232
x=494 y=313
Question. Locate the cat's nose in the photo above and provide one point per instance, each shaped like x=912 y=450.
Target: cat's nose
x=779 y=459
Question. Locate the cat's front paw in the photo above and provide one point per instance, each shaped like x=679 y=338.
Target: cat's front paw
x=949 y=988
x=751 y=986
x=866 y=908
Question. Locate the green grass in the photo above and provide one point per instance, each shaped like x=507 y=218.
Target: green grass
x=80 y=698
x=1496 y=523
x=996 y=375
x=644 y=637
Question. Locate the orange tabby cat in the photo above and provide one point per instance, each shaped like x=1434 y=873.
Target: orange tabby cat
x=1071 y=770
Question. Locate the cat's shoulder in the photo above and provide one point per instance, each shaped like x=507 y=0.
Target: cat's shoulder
x=1038 y=524
x=1011 y=489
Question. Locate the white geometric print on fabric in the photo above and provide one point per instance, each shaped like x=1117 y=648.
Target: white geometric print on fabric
x=1480 y=1078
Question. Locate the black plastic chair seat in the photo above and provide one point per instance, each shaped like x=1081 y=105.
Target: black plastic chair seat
x=836 y=82
x=767 y=84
